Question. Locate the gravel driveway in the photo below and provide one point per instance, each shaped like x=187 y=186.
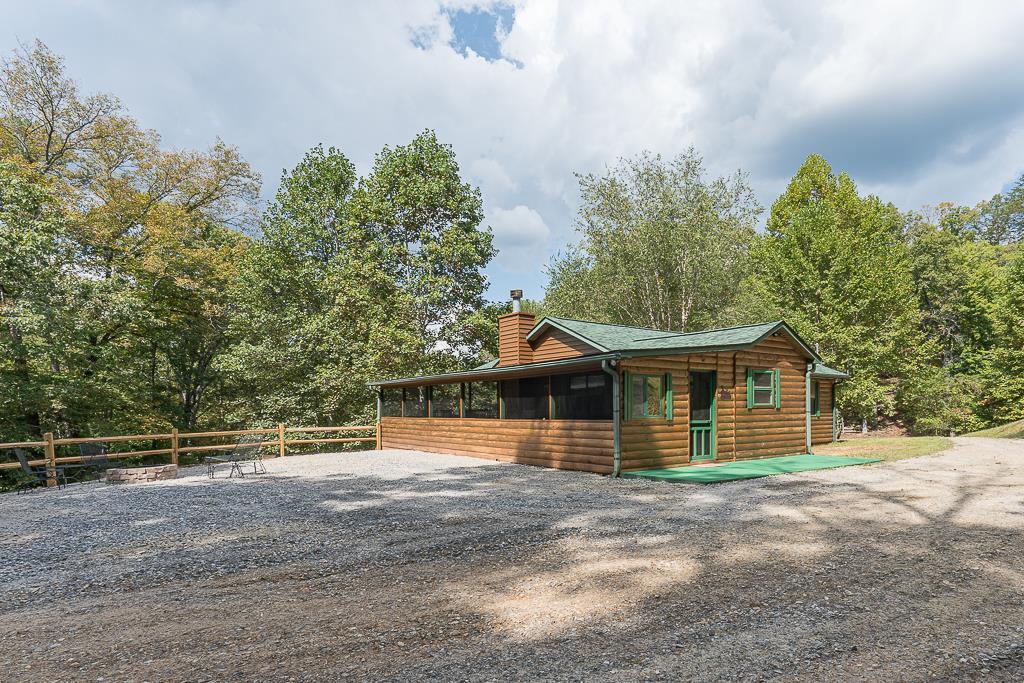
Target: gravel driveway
x=404 y=565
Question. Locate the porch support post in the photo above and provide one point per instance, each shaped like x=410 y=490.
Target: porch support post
x=380 y=411
x=807 y=405
x=616 y=418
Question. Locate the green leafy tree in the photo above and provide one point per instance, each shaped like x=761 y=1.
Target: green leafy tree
x=835 y=266
x=1003 y=369
x=136 y=248
x=423 y=222
x=354 y=279
x=957 y=279
x=1000 y=220
x=662 y=246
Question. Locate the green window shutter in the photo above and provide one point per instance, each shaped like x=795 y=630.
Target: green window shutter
x=778 y=387
x=750 y=388
x=668 y=395
x=628 y=398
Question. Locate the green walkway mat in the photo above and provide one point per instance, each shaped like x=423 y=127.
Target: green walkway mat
x=749 y=469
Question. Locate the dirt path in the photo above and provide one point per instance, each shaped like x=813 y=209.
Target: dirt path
x=408 y=566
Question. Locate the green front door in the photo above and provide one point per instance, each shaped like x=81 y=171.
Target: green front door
x=702 y=415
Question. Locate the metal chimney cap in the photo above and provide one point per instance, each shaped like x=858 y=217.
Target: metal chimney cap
x=517 y=294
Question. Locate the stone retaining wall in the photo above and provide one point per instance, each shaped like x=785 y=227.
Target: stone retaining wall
x=138 y=475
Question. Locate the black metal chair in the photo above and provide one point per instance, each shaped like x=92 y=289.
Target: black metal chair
x=248 y=449
x=96 y=454
x=36 y=476
x=93 y=455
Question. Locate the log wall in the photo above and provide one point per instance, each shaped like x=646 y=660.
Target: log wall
x=585 y=445
x=821 y=425
x=741 y=433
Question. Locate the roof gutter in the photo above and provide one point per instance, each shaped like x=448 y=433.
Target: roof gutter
x=609 y=367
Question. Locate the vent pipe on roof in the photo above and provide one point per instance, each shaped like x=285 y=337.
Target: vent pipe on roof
x=517 y=295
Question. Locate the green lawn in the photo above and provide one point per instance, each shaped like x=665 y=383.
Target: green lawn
x=887 y=448
x=1012 y=430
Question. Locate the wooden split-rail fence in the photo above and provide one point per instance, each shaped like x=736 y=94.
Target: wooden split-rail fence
x=278 y=443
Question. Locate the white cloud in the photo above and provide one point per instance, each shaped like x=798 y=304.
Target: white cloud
x=522 y=238
x=921 y=101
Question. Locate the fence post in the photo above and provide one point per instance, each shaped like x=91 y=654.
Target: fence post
x=174 y=446
x=280 y=439
x=51 y=460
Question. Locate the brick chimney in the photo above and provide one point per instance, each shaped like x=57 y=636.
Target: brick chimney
x=513 y=349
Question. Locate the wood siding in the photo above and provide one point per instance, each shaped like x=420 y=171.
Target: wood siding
x=741 y=432
x=585 y=445
x=513 y=349
x=556 y=345
x=821 y=425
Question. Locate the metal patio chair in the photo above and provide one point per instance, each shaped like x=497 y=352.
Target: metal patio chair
x=37 y=475
x=93 y=455
x=248 y=450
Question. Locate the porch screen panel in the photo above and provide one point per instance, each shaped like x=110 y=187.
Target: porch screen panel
x=416 y=402
x=391 y=403
x=582 y=397
x=481 y=400
x=525 y=399
x=444 y=400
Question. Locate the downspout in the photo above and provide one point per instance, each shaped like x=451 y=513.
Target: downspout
x=616 y=418
x=380 y=411
x=807 y=404
x=835 y=414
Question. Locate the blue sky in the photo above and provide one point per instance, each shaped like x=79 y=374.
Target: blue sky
x=918 y=100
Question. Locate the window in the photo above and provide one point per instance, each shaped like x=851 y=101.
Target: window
x=481 y=400
x=762 y=388
x=525 y=399
x=416 y=402
x=582 y=397
x=646 y=396
x=444 y=400
x=816 y=398
x=391 y=403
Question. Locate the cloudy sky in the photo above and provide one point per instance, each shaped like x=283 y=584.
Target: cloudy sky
x=920 y=101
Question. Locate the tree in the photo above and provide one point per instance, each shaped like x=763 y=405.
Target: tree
x=956 y=278
x=131 y=244
x=1000 y=220
x=661 y=247
x=357 y=279
x=423 y=222
x=834 y=265
x=1003 y=364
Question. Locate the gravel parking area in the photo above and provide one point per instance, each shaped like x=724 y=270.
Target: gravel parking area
x=397 y=565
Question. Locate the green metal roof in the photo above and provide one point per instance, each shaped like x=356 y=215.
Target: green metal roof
x=822 y=370
x=623 y=338
x=618 y=341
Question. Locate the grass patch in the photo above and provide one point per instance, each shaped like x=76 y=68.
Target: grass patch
x=887 y=448
x=1011 y=430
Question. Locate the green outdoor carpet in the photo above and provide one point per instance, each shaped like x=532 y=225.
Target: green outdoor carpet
x=749 y=469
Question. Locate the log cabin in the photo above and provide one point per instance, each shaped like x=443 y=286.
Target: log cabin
x=603 y=398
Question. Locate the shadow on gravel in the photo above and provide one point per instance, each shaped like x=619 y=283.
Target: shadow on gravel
x=514 y=572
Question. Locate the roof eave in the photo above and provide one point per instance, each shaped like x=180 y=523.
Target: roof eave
x=497 y=372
